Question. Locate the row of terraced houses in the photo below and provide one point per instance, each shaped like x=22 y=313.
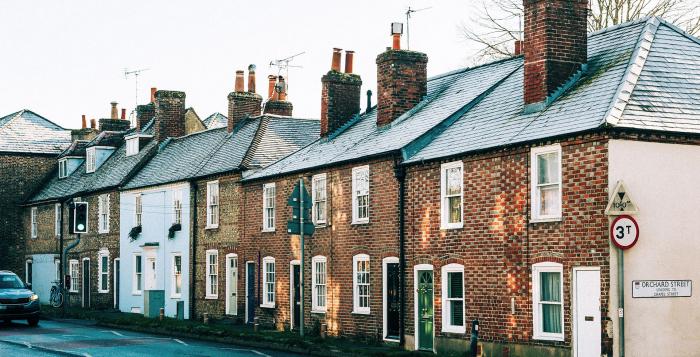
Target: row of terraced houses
x=474 y=195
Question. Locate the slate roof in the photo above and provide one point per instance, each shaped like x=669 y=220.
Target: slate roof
x=27 y=132
x=216 y=120
x=254 y=143
x=643 y=74
x=113 y=172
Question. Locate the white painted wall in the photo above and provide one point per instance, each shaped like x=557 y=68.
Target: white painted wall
x=43 y=275
x=157 y=218
x=664 y=182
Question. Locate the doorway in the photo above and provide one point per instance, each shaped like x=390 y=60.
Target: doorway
x=231 y=284
x=391 y=302
x=86 y=283
x=586 y=301
x=116 y=282
x=151 y=273
x=249 y=292
x=295 y=293
x=424 y=312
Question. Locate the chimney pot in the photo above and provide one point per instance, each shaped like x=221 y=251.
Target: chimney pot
x=348 y=61
x=153 y=94
x=282 y=89
x=335 y=64
x=83 y=122
x=93 y=123
x=251 y=78
x=114 y=114
x=123 y=114
x=396 y=43
x=272 y=80
x=239 y=82
x=369 y=100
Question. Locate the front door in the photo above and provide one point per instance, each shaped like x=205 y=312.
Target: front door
x=116 y=283
x=151 y=273
x=232 y=285
x=86 y=283
x=296 y=295
x=587 y=311
x=425 y=309
x=250 y=292
x=392 y=301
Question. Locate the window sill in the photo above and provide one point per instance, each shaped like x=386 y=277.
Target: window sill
x=176 y=297
x=135 y=293
x=454 y=329
x=360 y=222
x=545 y=219
x=321 y=225
x=76 y=291
x=362 y=312
x=103 y=291
x=103 y=232
x=267 y=306
x=211 y=227
x=268 y=230
x=318 y=311
x=449 y=226
x=211 y=297
x=548 y=338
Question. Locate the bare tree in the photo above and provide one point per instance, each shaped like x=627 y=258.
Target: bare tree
x=496 y=24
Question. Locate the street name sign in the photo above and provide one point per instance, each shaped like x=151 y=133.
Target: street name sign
x=662 y=288
x=624 y=232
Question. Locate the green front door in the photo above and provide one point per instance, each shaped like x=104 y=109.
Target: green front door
x=425 y=310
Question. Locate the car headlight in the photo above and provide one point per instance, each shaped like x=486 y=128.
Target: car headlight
x=34 y=297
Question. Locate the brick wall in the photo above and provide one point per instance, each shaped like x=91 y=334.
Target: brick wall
x=279 y=107
x=240 y=105
x=21 y=175
x=338 y=241
x=169 y=114
x=497 y=245
x=402 y=82
x=340 y=99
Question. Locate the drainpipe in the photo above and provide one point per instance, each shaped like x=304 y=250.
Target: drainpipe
x=400 y=173
x=193 y=254
x=61 y=266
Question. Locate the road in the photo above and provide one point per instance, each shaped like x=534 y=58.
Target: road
x=52 y=338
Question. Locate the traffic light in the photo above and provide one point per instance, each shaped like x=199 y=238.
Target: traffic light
x=80 y=222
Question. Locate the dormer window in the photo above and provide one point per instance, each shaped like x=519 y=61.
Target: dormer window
x=132 y=146
x=90 y=160
x=62 y=168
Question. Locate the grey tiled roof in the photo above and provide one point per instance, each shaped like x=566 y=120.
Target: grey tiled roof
x=216 y=120
x=255 y=143
x=28 y=132
x=643 y=74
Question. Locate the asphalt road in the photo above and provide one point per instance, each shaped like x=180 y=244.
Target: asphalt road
x=52 y=338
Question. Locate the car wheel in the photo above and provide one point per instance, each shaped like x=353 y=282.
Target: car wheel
x=33 y=321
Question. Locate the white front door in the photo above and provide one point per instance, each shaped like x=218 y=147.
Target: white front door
x=151 y=273
x=231 y=285
x=587 y=312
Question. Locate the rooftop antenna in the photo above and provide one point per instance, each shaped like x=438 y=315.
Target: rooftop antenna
x=408 y=16
x=283 y=65
x=135 y=73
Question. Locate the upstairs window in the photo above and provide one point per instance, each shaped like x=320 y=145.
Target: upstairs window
x=57 y=219
x=90 y=160
x=546 y=183
x=453 y=298
x=318 y=196
x=548 y=308
x=360 y=194
x=213 y=204
x=103 y=213
x=138 y=209
x=318 y=274
x=212 y=274
x=360 y=280
x=132 y=146
x=268 y=299
x=177 y=207
x=269 y=207
x=35 y=224
x=62 y=168
x=451 y=188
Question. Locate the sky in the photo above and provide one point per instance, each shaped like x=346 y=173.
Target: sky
x=63 y=58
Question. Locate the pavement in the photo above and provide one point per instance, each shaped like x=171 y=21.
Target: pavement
x=61 y=338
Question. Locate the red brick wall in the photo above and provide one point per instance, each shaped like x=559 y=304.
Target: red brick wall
x=402 y=82
x=497 y=245
x=338 y=241
x=340 y=99
x=169 y=114
x=279 y=107
x=241 y=104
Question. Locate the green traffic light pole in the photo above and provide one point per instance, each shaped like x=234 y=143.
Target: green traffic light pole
x=301 y=269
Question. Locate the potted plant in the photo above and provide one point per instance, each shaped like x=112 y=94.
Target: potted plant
x=134 y=233
x=174 y=228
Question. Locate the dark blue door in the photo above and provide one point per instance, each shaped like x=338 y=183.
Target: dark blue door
x=250 y=292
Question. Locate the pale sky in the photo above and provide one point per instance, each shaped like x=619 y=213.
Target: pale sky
x=62 y=59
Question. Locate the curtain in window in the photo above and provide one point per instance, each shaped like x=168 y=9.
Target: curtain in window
x=548 y=182
x=550 y=297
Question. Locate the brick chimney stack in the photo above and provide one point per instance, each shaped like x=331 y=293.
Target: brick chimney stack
x=340 y=94
x=170 y=114
x=278 y=104
x=555 y=45
x=146 y=112
x=402 y=80
x=93 y=123
x=83 y=123
x=241 y=103
x=114 y=113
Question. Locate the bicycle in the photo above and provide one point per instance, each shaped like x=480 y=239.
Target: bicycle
x=56 y=296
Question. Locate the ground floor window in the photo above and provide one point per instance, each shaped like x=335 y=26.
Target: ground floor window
x=268 y=282
x=361 y=283
x=318 y=299
x=453 y=298
x=138 y=274
x=73 y=266
x=547 y=291
x=103 y=268
x=212 y=274
x=177 y=276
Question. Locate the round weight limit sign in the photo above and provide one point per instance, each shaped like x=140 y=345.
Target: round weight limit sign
x=624 y=232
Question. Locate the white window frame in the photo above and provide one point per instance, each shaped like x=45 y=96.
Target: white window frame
x=132 y=146
x=213 y=202
x=446 y=307
x=355 y=214
x=62 y=168
x=444 y=206
x=545 y=267
x=57 y=219
x=136 y=288
x=90 y=160
x=212 y=276
x=317 y=201
x=535 y=187
x=101 y=274
x=138 y=209
x=177 y=206
x=73 y=271
x=269 y=287
x=103 y=213
x=175 y=275
x=269 y=211
x=316 y=283
x=34 y=222
x=356 y=308
x=28 y=272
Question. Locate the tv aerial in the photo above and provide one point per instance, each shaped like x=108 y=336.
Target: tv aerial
x=134 y=73
x=408 y=17
x=283 y=65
